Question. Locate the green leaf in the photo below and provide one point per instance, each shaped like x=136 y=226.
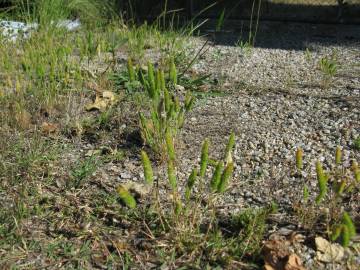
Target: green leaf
x=220 y=21
x=349 y=224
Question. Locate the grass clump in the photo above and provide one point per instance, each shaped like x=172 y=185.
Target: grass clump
x=188 y=216
x=334 y=187
x=329 y=68
x=166 y=115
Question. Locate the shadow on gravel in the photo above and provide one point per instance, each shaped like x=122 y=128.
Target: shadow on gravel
x=286 y=35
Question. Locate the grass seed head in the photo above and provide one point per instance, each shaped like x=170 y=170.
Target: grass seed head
x=126 y=197
x=225 y=177
x=148 y=171
x=204 y=158
x=299 y=158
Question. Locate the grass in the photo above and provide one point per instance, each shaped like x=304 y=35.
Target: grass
x=61 y=205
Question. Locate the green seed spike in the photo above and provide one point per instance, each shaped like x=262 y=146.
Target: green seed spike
x=126 y=197
x=229 y=147
x=338 y=156
x=177 y=103
x=178 y=207
x=225 y=177
x=181 y=119
x=151 y=80
x=357 y=175
x=172 y=175
x=345 y=236
x=158 y=81
x=299 y=158
x=170 y=146
x=162 y=80
x=322 y=182
x=173 y=72
x=190 y=183
x=148 y=171
x=215 y=180
x=356 y=171
x=155 y=120
x=167 y=99
x=204 y=158
x=160 y=107
x=349 y=224
x=131 y=71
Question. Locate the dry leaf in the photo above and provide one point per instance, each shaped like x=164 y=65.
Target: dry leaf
x=277 y=256
x=102 y=101
x=328 y=252
x=294 y=263
x=49 y=128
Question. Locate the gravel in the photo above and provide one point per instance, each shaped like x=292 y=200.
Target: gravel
x=277 y=102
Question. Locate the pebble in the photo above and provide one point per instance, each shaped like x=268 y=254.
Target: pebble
x=125 y=175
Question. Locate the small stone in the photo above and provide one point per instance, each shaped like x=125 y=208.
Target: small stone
x=125 y=175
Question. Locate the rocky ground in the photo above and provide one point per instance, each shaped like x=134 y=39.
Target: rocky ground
x=275 y=98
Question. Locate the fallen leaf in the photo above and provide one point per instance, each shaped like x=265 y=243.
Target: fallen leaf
x=294 y=263
x=277 y=256
x=49 y=128
x=102 y=101
x=328 y=252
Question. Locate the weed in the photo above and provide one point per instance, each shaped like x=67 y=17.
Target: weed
x=308 y=56
x=329 y=68
x=82 y=171
x=334 y=186
x=245 y=46
x=166 y=112
x=356 y=143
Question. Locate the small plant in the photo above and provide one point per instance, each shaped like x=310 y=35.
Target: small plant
x=329 y=68
x=344 y=230
x=333 y=187
x=182 y=203
x=356 y=143
x=245 y=46
x=165 y=119
x=308 y=55
x=81 y=172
